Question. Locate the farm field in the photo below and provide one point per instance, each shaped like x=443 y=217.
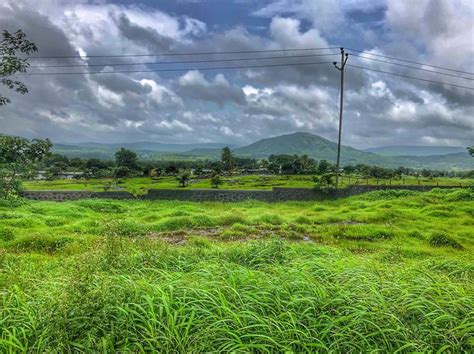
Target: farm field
x=139 y=185
x=382 y=271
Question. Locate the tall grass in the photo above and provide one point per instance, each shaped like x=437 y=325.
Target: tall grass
x=103 y=276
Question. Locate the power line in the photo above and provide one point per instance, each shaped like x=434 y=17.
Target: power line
x=180 y=54
x=411 y=77
x=182 y=62
x=410 y=61
x=412 y=67
x=173 y=70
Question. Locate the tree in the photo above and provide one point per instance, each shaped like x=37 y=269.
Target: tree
x=216 y=181
x=183 y=179
x=126 y=158
x=10 y=47
x=323 y=167
x=470 y=150
x=17 y=159
x=122 y=172
x=227 y=159
x=324 y=182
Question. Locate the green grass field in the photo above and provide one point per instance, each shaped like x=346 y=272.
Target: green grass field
x=140 y=185
x=385 y=271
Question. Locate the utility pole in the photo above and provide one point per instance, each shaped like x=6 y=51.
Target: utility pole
x=344 y=57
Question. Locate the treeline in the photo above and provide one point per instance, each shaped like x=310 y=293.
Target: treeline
x=127 y=164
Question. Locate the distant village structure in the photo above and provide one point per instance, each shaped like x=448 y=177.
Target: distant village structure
x=43 y=175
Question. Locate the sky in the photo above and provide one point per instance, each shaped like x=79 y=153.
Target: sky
x=241 y=106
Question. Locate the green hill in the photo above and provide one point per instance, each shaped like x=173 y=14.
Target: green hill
x=305 y=143
x=320 y=148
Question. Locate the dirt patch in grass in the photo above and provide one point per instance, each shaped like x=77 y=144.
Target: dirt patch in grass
x=349 y=222
x=181 y=237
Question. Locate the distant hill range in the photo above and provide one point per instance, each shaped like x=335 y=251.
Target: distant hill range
x=401 y=150
x=299 y=143
x=146 y=150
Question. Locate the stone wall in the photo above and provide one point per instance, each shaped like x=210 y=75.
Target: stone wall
x=208 y=195
x=222 y=195
x=74 y=195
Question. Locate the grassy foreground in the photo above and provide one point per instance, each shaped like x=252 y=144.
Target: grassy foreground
x=140 y=185
x=384 y=271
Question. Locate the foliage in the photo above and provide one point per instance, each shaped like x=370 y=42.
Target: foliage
x=324 y=182
x=17 y=159
x=126 y=158
x=439 y=239
x=11 y=45
x=227 y=159
x=183 y=179
x=470 y=150
x=122 y=171
x=216 y=181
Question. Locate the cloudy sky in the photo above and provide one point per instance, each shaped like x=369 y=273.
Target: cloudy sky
x=241 y=106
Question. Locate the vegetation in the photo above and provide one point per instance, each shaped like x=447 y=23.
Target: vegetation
x=384 y=271
x=227 y=159
x=17 y=159
x=315 y=147
x=11 y=45
x=140 y=185
x=216 y=181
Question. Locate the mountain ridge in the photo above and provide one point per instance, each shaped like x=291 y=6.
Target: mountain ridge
x=415 y=150
x=299 y=143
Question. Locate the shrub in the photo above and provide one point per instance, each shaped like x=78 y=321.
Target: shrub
x=440 y=239
x=302 y=220
x=41 y=243
x=124 y=228
x=7 y=234
x=101 y=206
x=273 y=219
x=388 y=194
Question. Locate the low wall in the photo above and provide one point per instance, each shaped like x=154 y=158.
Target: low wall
x=278 y=194
x=74 y=195
x=208 y=195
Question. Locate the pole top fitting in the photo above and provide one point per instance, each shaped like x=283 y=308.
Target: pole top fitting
x=341 y=48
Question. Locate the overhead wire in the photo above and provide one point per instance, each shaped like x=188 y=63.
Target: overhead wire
x=174 y=70
x=411 y=67
x=411 y=61
x=182 y=54
x=245 y=66
x=410 y=77
x=182 y=62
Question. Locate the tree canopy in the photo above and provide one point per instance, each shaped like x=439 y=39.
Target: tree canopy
x=10 y=63
x=17 y=159
x=126 y=158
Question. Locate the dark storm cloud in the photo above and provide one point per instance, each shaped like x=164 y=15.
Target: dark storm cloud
x=121 y=83
x=148 y=37
x=240 y=106
x=193 y=84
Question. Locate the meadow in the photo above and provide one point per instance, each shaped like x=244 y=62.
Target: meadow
x=383 y=271
x=139 y=185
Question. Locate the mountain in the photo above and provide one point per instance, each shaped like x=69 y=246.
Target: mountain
x=407 y=150
x=299 y=143
x=305 y=143
x=320 y=148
